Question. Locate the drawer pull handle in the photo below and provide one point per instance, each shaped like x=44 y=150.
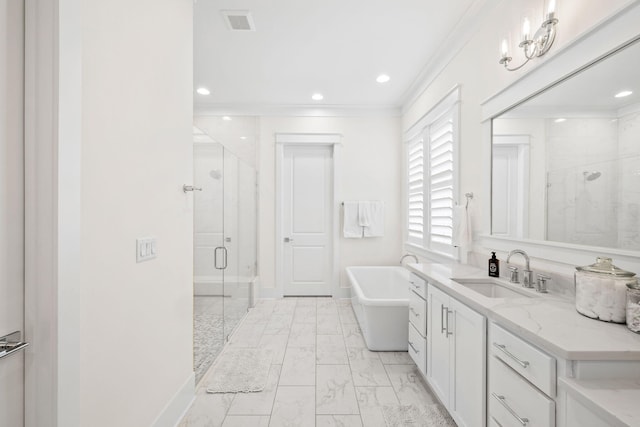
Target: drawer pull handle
x=414 y=349
x=501 y=399
x=503 y=349
x=442 y=327
x=447 y=314
x=414 y=312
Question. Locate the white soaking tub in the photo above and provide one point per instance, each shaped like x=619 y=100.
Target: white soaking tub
x=380 y=300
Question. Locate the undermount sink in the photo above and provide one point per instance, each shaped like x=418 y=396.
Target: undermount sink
x=493 y=289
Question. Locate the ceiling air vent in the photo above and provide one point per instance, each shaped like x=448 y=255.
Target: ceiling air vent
x=238 y=20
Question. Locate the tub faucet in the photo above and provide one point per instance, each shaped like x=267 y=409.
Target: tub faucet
x=527 y=279
x=408 y=255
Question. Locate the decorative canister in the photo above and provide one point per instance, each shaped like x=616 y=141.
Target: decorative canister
x=601 y=291
x=633 y=306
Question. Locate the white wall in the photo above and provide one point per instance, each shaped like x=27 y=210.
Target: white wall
x=370 y=164
x=135 y=319
x=476 y=69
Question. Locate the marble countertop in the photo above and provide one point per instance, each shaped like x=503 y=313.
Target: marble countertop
x=615 y=401
x=549 y=321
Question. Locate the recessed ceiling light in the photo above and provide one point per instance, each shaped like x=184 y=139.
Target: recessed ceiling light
x=560 y=120
x=203 y=91
x=243 y=137
x=623 y=93
x=317 y=97
x=226 y=118
x=383 y=78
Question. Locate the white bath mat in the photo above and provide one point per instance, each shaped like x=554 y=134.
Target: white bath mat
x=240 y=370
x=434 y=415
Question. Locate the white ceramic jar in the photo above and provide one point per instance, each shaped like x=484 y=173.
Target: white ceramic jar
x=601 y=291
x=633 y=306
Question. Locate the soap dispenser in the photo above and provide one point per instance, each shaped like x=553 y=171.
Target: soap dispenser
x=494 y=266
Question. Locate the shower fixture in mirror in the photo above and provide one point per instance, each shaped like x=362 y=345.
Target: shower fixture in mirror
x=566 y=163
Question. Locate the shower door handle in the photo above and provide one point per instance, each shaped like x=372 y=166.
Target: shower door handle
x=223 y=257
x=225 y=253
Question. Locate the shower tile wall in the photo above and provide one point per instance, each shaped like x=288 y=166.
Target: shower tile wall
x=578 y=207
x=629 y=215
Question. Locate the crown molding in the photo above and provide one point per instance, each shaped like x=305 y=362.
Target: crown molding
x=302 y=110
x=449 y=48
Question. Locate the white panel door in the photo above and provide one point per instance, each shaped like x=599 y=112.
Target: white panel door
x=307 y=220
x=11 y=209
x=505 y=191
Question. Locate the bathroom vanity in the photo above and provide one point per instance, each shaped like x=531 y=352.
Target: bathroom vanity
x=500 y=355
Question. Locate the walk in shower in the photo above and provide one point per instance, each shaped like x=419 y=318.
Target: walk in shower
x=225 y=205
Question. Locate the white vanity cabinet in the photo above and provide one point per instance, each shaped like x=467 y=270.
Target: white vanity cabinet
x=418 y=322
x=456 y=356
x=522 y=381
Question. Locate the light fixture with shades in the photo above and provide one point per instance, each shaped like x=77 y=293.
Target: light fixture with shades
x=536 y=45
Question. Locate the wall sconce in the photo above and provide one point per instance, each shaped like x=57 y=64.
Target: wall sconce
x=535 y=46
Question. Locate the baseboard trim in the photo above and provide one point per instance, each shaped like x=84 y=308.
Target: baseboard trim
x=343 y=293
x=178 y=405
x=270 y=293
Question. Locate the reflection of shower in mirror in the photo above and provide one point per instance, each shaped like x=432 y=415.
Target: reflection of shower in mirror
x=591 y=176
x=215 y=174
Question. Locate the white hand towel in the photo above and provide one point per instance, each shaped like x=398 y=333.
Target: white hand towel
x=462 y=234
x=365 y=213
x=351 y=228
x=375 y=217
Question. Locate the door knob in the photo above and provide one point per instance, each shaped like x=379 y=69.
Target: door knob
x=288 y=239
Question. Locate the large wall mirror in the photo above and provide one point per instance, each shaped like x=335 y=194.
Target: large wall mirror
x=566 y=163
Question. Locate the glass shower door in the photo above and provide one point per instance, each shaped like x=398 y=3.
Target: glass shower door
x=225 y=246
x=240 y=238
x=208 y=256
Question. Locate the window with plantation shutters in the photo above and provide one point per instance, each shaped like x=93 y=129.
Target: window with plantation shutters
x=441 y=184
x=431 y=178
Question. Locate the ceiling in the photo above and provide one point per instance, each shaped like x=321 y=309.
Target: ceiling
x=335 y=47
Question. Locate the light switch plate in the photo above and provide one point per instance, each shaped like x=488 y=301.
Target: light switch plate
x=146 y=248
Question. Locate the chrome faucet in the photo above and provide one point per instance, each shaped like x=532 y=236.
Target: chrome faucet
x=409 y=255
x=527 y=280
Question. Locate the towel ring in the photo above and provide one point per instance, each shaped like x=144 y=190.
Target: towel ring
x=468 y=196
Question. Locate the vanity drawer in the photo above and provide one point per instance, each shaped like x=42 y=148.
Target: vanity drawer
x=418 y=313
x=513 y=402
x=418 y=285
x=536 y=366
x=418 y=349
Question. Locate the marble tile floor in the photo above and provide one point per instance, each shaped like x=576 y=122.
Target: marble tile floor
x=214 y=317
x=322 y=374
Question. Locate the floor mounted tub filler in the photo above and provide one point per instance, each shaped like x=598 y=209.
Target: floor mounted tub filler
x=380 y=300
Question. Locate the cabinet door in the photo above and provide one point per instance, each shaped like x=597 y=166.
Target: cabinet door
x=468 y=378
x=438 y=343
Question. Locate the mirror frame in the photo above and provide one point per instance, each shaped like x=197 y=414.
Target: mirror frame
x=596 y=44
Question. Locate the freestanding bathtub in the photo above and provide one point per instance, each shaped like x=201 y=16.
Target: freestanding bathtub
x=380 y=299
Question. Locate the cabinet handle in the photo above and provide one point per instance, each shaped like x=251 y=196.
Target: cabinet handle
x=414 y=349
x=447 y=314
x=503 y=349
x=442 y=327
x=501 y=399
x=414 y=312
